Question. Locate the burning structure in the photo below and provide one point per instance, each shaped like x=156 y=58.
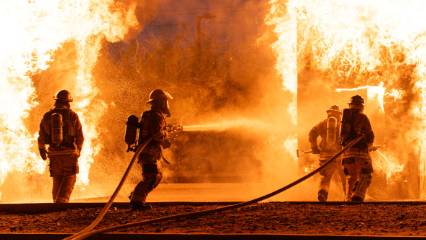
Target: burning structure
x=373 y=48
x=278 y=63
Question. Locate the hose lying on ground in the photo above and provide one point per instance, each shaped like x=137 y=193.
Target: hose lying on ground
x=104 y=210
x=87 y=234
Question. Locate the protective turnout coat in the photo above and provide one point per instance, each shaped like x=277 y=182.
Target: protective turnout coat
x=71 y=145
x=152 y=125
x=329 y=131
x=357 y=124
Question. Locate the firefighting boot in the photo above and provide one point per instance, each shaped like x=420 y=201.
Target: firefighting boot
x=139 y=206
x=357 y=199
x=362 y=185
x=322 y=195
x=137 y=200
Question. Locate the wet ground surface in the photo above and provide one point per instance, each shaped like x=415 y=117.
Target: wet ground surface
x=275 y=218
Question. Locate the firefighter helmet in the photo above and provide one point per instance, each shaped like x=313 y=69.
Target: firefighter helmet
x=159 y=95
x=357 y=100
x=63 y=96
x=159 y=100
x=334 y=109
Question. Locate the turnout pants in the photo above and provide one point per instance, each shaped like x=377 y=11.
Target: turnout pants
x=63 y=170
x=151 y=177
x=327 y=174
x=358 y=173
x=62 y=188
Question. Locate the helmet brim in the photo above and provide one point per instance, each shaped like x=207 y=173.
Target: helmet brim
x=63 y=100
x=167 y=94
x=333 y=111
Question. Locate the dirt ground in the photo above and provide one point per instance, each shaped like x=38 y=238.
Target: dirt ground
x=276 y=217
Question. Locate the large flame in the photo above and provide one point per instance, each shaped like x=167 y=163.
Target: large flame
x=373 y=92
x=390 y=166
x=377 y=93
x=283 y=19
x=31 y=32
x=368 y=41
x=379 y=45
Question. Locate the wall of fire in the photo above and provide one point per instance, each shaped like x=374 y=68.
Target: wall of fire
x=222 y=60
x=397 y=165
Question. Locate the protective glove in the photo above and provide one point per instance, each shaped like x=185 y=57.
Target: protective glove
x=166 y=143
x=43 y=153
x=315 y=150
x=373 y=148
x=78 y=150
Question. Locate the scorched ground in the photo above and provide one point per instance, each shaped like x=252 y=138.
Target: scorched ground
x=403 y=218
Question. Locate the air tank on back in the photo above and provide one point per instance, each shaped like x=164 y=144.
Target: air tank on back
x=57 y=135
x=130 y=137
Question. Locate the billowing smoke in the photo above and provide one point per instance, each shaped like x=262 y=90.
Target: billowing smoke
x=215 y=58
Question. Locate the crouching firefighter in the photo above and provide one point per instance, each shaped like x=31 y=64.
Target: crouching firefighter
x=61 y=130
x=356 y=160
x=151 y=126
x=329 y=131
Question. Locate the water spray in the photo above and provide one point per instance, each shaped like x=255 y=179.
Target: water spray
x=390 y=167
x=220 y=126
x=173 y=130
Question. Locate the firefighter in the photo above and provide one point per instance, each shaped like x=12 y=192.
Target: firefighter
x=152 y=126
x=356 y=160
x=61 y=130
x=329 y=131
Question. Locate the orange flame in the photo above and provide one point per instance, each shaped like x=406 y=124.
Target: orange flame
x=346 y=38
x=283 y=18
x=377 y=93
x=373 y=92
x=31 y=32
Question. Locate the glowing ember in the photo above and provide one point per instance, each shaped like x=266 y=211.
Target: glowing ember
x=32 y=31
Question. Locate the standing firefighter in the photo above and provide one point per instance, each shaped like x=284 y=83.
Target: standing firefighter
x=152 y=126
x=356 y=160
x=61 y=129
x=329 y=131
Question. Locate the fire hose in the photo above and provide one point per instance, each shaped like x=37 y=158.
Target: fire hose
x=88 y=233
x=107 y=206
